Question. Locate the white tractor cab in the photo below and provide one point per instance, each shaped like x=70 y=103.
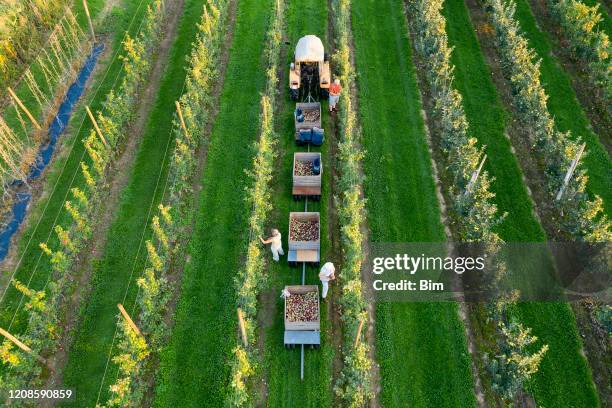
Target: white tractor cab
x=309 y=74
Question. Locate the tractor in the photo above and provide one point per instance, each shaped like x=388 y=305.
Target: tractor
x=309 y=74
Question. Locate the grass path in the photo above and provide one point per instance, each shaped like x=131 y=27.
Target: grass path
x=282 y=367
x=564 y=106
x=63 y=173
x=564 y=374
x=193 y=366
x=123 y=257
x=421 y=347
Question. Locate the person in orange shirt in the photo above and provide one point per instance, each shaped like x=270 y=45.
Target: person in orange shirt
x=334 y=94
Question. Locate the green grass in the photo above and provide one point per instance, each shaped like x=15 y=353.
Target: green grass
x=48 y=211
x=282 y=367
x=194 y=370
x=421 y=347
x=565 y=108
x=123 y=257
x=553 y=323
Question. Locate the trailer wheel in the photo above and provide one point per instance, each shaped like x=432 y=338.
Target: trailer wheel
x=316 y=198
x=296 y=197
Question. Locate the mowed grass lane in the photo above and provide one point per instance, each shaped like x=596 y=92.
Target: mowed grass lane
x=565 y=108
x=64 y=171
x=421 y=347
x=285 y=389
x=123 y=258
x=194 y=364
x=564 y=378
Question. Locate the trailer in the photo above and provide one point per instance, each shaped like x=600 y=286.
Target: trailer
x=304 y=238
x=307 y=117
x=307 y=173
x=302 y=328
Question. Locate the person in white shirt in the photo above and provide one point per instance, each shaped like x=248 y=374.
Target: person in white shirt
x=276 y=244
x=326 y=274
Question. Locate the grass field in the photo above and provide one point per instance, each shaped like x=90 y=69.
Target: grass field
x=564 y=106
x=204 y=331
x=124 y=255
x=553 y=323
x=281 y=366
x=414 y=340
x=63 y=173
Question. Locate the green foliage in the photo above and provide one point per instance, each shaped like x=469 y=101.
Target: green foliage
x=354 y=385
x=251 y=278
x=473 y=211
x=516 y=361
x=127 y=392
x=195 y=104
x=241 y=371
x=24 y=27
x=588 y=41
x=580 y=218
x=82 y=211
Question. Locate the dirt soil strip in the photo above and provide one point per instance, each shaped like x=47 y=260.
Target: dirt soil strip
x=120 y=174
x=365 y=276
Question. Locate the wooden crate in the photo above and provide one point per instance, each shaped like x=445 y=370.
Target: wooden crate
x=314 y=325
x=305 y=245
x=306 y=184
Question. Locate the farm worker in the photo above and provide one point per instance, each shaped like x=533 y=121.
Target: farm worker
x=326 y=274
x=277 y=244
x=334 y=94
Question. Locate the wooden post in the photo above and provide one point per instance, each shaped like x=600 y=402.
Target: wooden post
x=22 y=346
x=93 y=34
x=475 y=176
x=22 y=106
x=242 y=327
x=128 y=319
x=180 y=114
x=358 y=336
x=95 y=123
x=570 y=172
